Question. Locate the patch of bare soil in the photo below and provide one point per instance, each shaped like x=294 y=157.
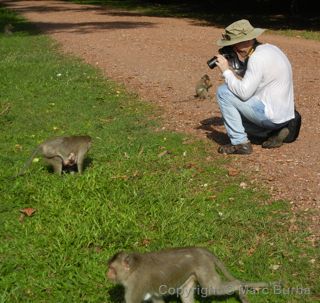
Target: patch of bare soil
x=162 y=58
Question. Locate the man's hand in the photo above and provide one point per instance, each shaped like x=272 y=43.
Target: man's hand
x=222 y=63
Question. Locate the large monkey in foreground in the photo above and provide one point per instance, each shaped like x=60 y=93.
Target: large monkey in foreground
x=150 y=276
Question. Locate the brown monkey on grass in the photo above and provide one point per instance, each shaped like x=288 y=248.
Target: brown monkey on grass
x=178 y=270
x=61 y=152
x=8 y=29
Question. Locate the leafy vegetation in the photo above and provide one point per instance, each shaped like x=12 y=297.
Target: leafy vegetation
x=143 y=189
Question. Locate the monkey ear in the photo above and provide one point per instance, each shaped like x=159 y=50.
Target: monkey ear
x=127 y=262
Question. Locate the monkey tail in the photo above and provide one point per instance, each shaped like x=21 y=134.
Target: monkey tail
x=27 y=163
x=230 y=277
x=223 y=269
x=255 y=285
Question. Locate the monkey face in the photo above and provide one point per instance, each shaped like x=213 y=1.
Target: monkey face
x=205 y=77
x=112 y=274
x=120 y=267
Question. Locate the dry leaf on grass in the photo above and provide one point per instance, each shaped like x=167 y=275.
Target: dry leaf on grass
x=145 y=242
x=28 y=211
x=233 y=172
x=165 y=152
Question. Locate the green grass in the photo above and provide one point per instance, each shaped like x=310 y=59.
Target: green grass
x=129 y=197
x=311 y=35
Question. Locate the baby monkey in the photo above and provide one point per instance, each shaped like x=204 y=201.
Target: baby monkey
x=202 y=87
x=61 y=152
x=8 y=29
x=151 y=276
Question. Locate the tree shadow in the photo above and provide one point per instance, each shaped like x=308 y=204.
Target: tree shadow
x=75 y=26
x=88 y=27
x=266 y=14
x=272 y=14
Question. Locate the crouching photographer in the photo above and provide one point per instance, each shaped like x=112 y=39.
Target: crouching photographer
x=257 y=99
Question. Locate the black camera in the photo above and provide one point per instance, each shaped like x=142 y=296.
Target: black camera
x=225 y=52
x=212 y=63
x=237 y=65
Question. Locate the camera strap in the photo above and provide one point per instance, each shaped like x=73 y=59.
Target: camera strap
x=256 y=43
x=245 y=62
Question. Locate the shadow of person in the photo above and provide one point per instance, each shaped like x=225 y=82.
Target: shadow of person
x=213 y=134
x=216 y=121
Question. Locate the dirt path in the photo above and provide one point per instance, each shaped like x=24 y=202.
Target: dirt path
x=162 y=58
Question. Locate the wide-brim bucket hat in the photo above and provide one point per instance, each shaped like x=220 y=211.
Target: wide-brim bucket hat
x=239 y=31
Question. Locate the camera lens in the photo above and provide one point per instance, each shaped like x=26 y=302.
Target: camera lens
x=212 y=62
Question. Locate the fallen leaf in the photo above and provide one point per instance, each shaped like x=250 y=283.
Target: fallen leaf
x=190 y=165
x=18 y=147
x=165 y=152
x=141 y=151
x=28 y=211
x=146 y=242
x=136 y=174
x=232 y=172
x=251 y=251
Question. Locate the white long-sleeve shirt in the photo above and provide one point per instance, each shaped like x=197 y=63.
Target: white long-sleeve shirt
x=269 y=78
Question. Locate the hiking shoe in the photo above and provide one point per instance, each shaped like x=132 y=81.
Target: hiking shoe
x=241 y=149
x=276 y=140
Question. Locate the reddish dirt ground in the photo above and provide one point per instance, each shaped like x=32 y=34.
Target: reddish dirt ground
x=162 y=58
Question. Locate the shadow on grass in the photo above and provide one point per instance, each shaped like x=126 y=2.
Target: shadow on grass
x=117 y=292
x=72 y=169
